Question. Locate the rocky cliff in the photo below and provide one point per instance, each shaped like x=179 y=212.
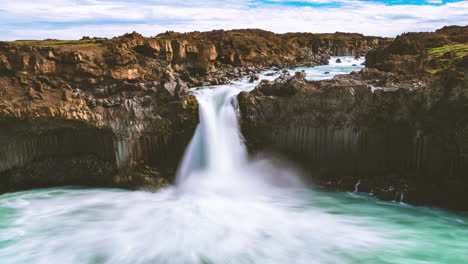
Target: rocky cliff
x=398 y=127
x=117 y=112
x=419 y=53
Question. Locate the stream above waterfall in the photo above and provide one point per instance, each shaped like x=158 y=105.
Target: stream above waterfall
x=226 y=207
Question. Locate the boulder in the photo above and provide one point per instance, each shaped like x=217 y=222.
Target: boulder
x=253 y=78
x=284 y=85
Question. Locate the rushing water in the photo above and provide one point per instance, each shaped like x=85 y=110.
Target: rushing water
x=225 y=208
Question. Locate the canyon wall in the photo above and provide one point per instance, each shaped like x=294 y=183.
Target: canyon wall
x=402 y=135
x=117 y=112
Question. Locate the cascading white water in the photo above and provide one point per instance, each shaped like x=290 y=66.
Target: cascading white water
x=216 y=148
x=356 y=187
x=216 y=159
x=226 y=208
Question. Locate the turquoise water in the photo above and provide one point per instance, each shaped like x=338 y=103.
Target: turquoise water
x=323 y=72
x=67 y=225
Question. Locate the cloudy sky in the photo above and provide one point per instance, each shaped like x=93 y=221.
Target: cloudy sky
x=72 y=19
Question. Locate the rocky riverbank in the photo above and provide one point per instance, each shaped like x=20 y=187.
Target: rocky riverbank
x=98 y=112
x=397 y=129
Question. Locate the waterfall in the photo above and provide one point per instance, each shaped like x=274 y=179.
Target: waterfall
x=217 y=146
x=402 y=197
x=216 y=160
x=356 y=187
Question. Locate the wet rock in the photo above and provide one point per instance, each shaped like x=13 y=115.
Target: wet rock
x=253 y=78
x=338 y=61
x=142 y=177
x=225 y=80
x=146 y=100
x=300 y=76
x=284 y=85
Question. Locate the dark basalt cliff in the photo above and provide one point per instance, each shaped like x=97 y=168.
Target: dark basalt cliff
x=117 y=112
x=399 y=127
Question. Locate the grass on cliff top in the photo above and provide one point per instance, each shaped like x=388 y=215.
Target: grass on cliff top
x=458 y=48
x=84 y=42
x=437 y=55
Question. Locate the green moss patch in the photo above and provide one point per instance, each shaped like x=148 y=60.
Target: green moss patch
x=458 y=48
x=438 y=61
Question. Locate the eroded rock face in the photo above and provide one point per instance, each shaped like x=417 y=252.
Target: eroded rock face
x=398 y=135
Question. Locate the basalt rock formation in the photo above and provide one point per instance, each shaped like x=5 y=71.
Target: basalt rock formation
x=117 y=112
x=397 y=129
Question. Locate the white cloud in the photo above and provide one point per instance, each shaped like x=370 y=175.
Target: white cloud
x=71 y=19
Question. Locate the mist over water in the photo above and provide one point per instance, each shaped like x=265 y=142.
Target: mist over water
x=216 y=160
x=226 y=208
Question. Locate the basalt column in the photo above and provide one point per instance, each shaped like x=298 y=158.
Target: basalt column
x=45 y=153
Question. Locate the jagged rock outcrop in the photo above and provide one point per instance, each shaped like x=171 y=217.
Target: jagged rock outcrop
x=399 y=135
